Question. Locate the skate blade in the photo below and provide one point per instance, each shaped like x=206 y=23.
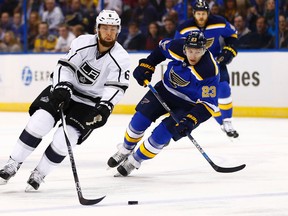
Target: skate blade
x=29 y=188
x=233 y=139
x=3 y=181
x=118 y=175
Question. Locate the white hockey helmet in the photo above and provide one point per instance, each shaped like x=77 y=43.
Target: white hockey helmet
x=108 y=17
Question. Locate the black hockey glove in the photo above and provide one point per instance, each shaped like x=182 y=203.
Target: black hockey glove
x=186 y=125
x=143 y=71
x=226 y=55
x=61 y=95
x=98 y=116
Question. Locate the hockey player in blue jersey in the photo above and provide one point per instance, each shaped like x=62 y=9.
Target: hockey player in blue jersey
x=215 y=28
x=189 y=88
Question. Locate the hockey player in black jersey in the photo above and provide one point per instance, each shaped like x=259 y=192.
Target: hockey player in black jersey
x=89 y=81
x=215 y=29
x=189 y=88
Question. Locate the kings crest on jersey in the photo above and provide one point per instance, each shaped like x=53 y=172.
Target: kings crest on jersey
x=196 y=84
x=216 y=27
x=94 y=75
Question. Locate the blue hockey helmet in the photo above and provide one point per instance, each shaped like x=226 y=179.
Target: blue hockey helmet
x=200 y=5
x=195 y=39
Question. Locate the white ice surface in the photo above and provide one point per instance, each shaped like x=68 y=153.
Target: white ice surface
x=178 y=181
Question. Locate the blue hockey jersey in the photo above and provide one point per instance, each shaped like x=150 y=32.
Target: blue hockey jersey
x=196 y=84
x=217 y=27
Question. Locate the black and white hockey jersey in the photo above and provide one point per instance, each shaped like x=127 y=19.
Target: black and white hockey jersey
x=94 y=76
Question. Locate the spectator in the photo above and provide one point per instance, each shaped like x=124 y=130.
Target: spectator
x=243 y=6
x=283 y=32
x=284 y=8
x=240 y=25
x=220 y=3
x=230 y=10
x=210 y=3
x=10 y=43
x=8 y=6
x=90 y=4
x=18 y=27
x=33 y=23
x=189 y=11
x=116 y=5
x=215 y=10
x=258 y=39
x=31 y=5
x=91 y=17
x=170 y=10
x=45 y=42
x=5 y=22
x=135 y=39
x=159 y=5
x=254 y=12
x=78 y=30
x=1 y=34
x=269 y=15
x=77 y=14
x=153 y=36
x=144 y=14
x=53 y=16
x=128 y=8
x=65 y=39
x=169 y=28
x=179 y=9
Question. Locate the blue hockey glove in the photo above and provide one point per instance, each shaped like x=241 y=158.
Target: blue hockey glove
x=143 y=71
x=98 y=116
x=186 y=125
x=61 y=95
x=226 y=55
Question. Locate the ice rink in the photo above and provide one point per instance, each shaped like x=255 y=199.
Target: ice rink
x=178 y=181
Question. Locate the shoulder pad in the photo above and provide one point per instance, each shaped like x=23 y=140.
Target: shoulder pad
x=163 y=43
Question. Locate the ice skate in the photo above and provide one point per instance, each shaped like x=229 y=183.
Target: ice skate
x=119 y=156
x=228 y=129
x=128 y=166
x=8 y=171
x=34 y=181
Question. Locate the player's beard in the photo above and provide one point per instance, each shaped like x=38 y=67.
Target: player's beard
x=201 y=22
x=105 y=43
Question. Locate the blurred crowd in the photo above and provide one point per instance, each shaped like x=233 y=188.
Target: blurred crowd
x=53 y=24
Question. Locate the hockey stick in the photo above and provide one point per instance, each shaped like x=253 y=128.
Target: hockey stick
x=82 y=200
x=215 y=167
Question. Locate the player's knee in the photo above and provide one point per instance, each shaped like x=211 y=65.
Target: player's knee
x=59 y=141
x=41 y=122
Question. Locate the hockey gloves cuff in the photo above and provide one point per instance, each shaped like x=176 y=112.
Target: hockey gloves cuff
x=98 y=117
x=226 y=55
x=143 y=71
x=61 y=95
x=186 y=125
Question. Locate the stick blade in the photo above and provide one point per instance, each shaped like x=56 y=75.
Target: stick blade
x=84 y=201
x=228 y=169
